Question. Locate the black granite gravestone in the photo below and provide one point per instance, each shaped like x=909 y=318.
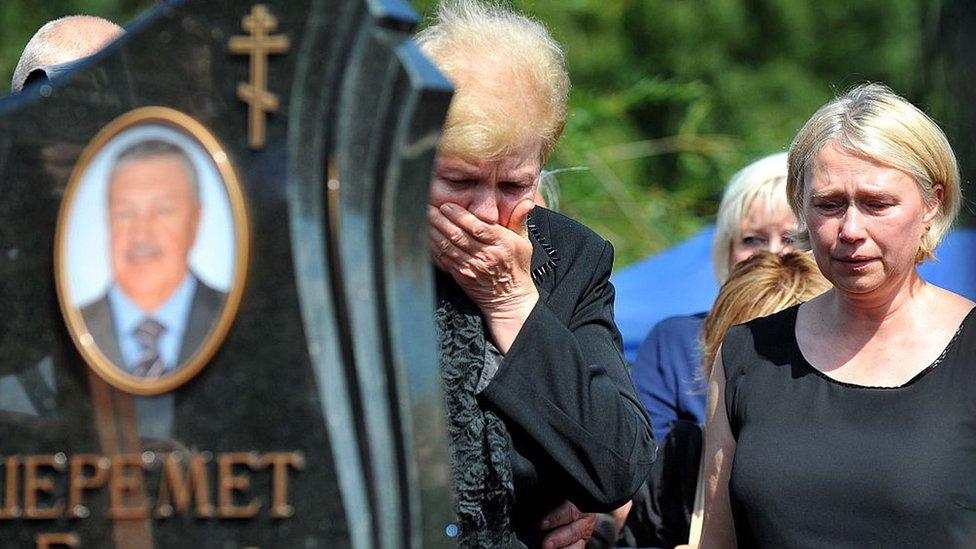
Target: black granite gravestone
x=216 y=303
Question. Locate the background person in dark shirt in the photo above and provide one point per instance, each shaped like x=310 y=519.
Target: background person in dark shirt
x=753 y=216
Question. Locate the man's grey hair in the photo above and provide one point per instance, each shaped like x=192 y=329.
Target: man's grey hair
x=155 y=148
x=62 y=41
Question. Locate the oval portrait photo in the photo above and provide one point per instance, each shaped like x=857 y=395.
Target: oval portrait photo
x=151 y=250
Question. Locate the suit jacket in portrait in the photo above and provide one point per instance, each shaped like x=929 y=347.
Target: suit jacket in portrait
x=205 y=308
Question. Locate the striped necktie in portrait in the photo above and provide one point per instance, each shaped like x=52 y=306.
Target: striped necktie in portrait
x=147 y=333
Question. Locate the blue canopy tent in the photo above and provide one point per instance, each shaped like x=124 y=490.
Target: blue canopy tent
x=680 y=281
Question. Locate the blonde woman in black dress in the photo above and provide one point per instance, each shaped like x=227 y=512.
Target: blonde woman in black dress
x=850 y=420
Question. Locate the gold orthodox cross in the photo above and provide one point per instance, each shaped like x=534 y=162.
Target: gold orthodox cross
x=259 y=45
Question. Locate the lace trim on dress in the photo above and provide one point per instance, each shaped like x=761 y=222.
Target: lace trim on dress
x=935 y=363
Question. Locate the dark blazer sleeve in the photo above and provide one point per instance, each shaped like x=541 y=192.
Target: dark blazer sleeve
x=564 y=382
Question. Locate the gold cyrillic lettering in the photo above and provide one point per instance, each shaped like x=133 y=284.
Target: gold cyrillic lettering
x=279 y=462
x=230 y=483
x=33 y=484
x=81 y=482
x=11 y=509
x=47 y=541
x=126 y=489
x=182 y=488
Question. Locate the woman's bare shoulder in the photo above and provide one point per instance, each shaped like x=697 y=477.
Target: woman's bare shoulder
x=951 y=306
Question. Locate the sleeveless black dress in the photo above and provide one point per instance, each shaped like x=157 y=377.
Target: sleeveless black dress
x=822 y=463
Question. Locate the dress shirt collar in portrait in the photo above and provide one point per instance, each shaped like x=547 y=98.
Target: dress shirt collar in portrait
x=173 y=315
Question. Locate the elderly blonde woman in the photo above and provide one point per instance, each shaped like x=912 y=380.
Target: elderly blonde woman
x=850 y=421
x=541 y=409
x=753 y=216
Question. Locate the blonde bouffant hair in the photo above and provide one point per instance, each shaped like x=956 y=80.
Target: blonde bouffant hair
x=764 y=284
x=761 y=182
x=509 y=74
x=872 y=121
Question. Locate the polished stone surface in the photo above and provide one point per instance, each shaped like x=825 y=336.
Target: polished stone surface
x=331 y=354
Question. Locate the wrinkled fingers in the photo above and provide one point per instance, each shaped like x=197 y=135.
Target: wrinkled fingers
x=458 y=236
x=481 y=231
x=452 y=258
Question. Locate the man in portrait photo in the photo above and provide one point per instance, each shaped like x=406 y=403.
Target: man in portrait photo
x=156 y=312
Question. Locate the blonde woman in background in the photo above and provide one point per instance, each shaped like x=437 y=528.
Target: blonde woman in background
x=754 y=215
x=850 y=420
x=761 y=285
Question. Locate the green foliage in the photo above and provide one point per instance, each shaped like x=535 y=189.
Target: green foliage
x=670 y=97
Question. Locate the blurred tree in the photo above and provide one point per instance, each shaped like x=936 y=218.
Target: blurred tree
x=950 y=53
x=670 y=97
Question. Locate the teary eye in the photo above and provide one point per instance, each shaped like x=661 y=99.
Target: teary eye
x=827 y=205
x=512 y=186
x=459 y=181
x=753 y=241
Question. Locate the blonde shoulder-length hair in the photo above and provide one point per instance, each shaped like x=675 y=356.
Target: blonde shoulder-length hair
x=759 y=286
x=872 y=121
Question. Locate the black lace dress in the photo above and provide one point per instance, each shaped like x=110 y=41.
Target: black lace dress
x=822 y=463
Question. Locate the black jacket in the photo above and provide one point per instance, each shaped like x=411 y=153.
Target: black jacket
x=578 y=430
